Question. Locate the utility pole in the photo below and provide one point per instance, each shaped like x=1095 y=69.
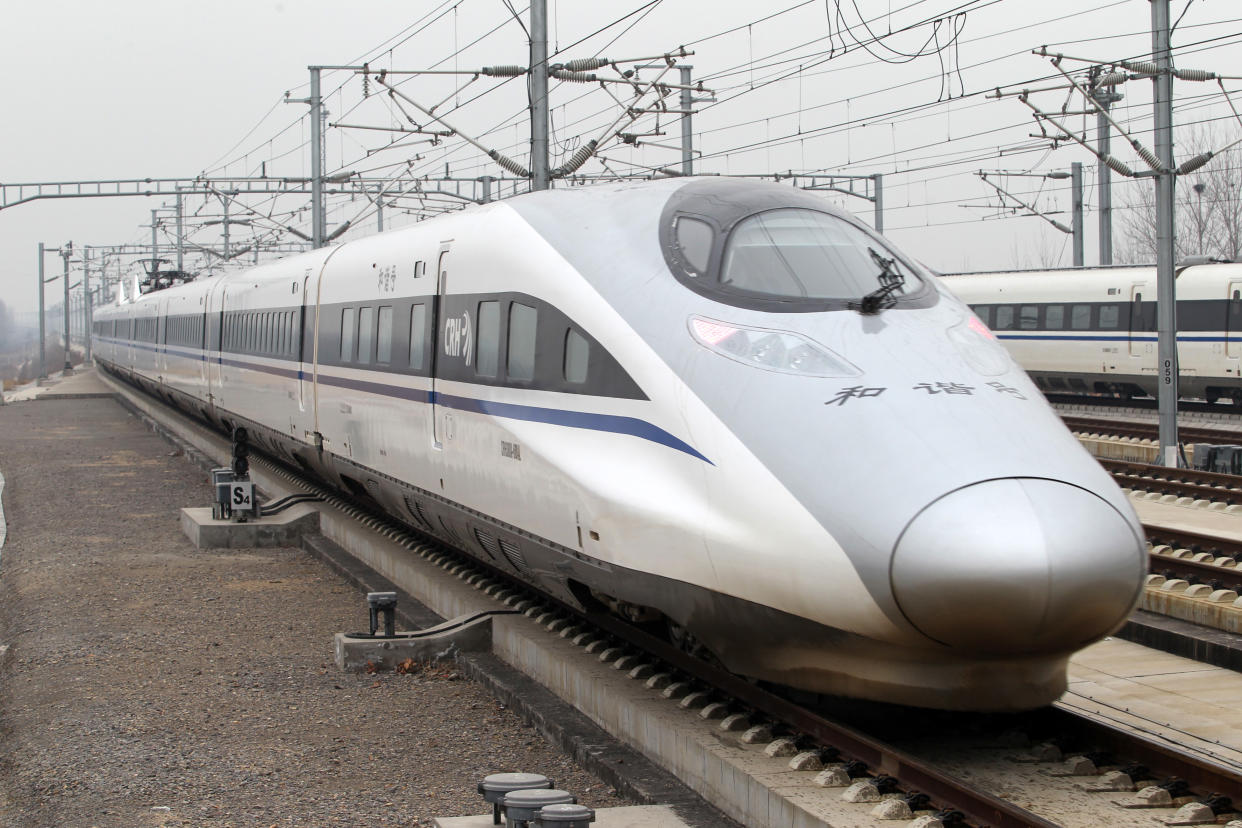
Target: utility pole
x=155 y=254
x=1104 y=98
x=65 y=253
x=687 y=134
x=1076 y=219
x=316 y=119
x=86 y=301
x=42 y=317
x=541 y=176
x=877 y=197
x=1166 y=285
x=180 y=232
x=225 y=201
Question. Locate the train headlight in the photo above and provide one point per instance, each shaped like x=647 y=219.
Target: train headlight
x=783 y=351
x=978 y=346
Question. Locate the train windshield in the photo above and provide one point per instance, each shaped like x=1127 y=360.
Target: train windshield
x=778 y=249
x=799 y=254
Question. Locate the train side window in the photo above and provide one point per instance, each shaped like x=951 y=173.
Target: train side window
x=694 y=240
x=984 y=312
x=1054 y=317
x=383 y=346
x=1110 y=317
x=418 y=335
x=366 y=334
x=487 y=348
x=348 y=318
x=577 y=357
x=1028 y=317
x=1080 y=317
x=523 y=321
x=1004 y=317
x=420 y=267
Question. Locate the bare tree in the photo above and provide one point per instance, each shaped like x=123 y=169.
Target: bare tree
x=1208 y=211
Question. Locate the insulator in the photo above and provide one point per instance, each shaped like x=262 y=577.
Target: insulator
x=1194 y=74
x=1143 y=66
x=1192 y=164
x=577 y=159
x=509 y=164
x=1148 y=156
x=586 y=64
x=1118 y=166
x=504 y=71
x=1111 y=79
x=576 y=77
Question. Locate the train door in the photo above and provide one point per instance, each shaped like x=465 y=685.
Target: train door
x=218 y=343
x=310 y=285
x=308 y=340
x=1233 y=324
x=1140 y=337
x=437 y=428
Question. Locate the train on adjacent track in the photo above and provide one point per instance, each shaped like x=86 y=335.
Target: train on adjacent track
x=714 y=406
x=1093 y=330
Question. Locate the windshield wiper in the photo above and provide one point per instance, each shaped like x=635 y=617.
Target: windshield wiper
x=891 y=282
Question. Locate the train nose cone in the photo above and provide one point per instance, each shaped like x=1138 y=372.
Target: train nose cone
x=1017 y=565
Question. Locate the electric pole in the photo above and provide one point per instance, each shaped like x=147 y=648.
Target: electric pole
x=65 y=253
x=1166 y=285
x=180 y=233
x=1104 y=97
x=687 y=134
x=537 y=79
x=86 y=301
x=1076 y=221
x=316 y=125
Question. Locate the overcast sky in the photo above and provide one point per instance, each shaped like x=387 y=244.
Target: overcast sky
x=138 y=89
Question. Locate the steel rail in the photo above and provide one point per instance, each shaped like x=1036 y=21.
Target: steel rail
x=914 y=775
x=1163 y=759
x=1189 y=434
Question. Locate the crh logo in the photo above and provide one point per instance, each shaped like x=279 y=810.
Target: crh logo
x=457 y=336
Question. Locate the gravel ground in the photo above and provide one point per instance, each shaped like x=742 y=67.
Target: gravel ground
x=149 y=683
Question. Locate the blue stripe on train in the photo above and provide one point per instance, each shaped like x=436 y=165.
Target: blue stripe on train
x=565 y=418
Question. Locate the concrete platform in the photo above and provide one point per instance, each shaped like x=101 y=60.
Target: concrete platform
x=635 y=816
x=284 y=529
x=1193 y=705
x=1189 y=518
x=83 y=383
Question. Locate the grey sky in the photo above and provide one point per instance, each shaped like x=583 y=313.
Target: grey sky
x=166 y=89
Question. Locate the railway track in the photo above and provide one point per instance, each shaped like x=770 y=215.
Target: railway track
x=1195 y=557
x=763 y=716
x=1200 y=485
x=1150 y=431
x=1146 y=404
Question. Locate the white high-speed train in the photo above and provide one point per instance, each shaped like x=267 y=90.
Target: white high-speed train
x=1094 y=329
x=711 y=404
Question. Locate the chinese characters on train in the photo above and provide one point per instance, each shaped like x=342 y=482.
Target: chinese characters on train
x=860 y=392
